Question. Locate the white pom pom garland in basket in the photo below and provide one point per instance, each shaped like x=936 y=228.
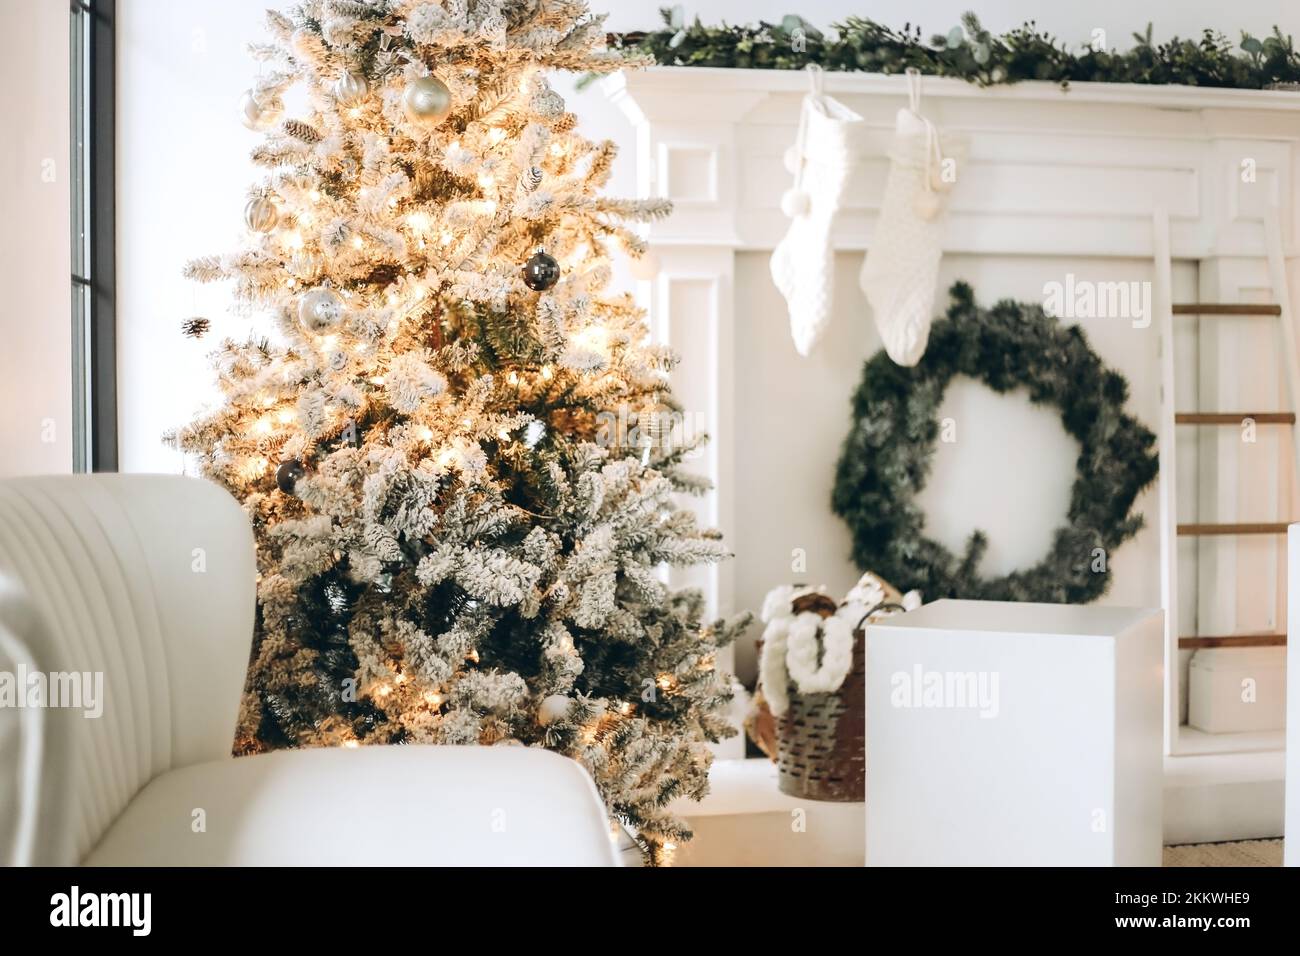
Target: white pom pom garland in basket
x=813 y=677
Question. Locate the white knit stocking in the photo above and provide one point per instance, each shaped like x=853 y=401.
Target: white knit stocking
x=901 y=270
x=803 y=263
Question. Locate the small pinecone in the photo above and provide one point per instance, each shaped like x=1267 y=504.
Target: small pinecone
x=351 y=8
x=565 y=123
x=300 y=130
x=195 y=328
x=530 y=178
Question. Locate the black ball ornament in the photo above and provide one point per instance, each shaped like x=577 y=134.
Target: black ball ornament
x=287 y=475
x=541 y=272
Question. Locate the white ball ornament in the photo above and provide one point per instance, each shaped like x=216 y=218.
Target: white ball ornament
x=795 y=203
x=553 y=708
x=351 y=89
x=427 y=101
x=260 y=112
x=320 y=310
x=260 y=214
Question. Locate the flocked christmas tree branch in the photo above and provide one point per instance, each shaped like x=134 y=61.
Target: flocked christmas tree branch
x=972 y=53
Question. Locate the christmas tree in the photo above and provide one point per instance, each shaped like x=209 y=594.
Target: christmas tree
x=454 y=546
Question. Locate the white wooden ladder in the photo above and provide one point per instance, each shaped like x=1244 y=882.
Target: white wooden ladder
x=1167 y=312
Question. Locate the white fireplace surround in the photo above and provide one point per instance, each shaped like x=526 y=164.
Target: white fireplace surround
x=1054 y=176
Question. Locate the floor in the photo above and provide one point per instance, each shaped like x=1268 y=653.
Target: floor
x=1246 y=853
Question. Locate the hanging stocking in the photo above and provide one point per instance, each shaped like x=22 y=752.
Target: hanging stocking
x=803 y=263
x=902 y=266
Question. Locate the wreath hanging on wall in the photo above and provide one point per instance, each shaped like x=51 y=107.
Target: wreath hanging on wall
x=887 y=455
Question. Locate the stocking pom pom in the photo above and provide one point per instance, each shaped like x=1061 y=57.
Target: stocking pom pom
x=795 y=202
x=793 y=159
x=928 y=204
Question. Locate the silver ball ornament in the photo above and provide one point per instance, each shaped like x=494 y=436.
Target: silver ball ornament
x=320 y=310
x=427 y=101
x=351 y=89
x=260 y=214
x=260 y=112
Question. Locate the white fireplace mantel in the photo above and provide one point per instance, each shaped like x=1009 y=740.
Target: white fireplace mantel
x=1075 y=173
x=1051 y=171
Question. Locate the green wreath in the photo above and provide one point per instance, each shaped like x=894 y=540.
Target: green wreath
x=887 y=455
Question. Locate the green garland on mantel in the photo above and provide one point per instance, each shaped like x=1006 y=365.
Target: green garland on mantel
x=970 y=52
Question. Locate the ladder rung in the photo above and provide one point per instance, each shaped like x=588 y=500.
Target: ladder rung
x=1226 y=308
x=1234 y=418
x=1261 y=527
x=1233 y=640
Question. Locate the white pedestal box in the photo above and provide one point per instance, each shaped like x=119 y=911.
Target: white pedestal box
x=1003 y=734
x=1232 y=690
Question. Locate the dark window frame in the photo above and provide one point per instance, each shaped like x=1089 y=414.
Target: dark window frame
x=94 y=227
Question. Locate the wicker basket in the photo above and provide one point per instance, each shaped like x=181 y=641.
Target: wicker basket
x=821 y=745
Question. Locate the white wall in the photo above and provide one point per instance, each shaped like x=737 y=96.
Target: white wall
x=35 y=250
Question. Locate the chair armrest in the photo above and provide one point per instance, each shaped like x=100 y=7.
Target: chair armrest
x=384 y=806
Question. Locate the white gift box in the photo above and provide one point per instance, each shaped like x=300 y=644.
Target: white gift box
x=1015 y=734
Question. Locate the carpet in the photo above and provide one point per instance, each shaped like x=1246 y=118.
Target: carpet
x=1245 y=853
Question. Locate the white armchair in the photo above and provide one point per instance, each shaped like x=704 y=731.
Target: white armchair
x=149 y=582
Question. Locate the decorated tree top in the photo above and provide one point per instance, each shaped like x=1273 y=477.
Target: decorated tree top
x=454 y=546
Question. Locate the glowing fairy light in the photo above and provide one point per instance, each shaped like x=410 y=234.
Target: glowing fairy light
x=254 y=468
x=546 y=372
x=426 y=434
x=496 y=136
x=314 y=195
x=357 y=242
x=419 y=222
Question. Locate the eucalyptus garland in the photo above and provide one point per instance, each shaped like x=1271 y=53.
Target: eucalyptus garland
x=971 y=52
x=887 y=455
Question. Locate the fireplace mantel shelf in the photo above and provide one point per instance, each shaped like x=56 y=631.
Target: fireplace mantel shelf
x=1050 y=171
